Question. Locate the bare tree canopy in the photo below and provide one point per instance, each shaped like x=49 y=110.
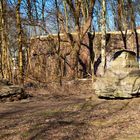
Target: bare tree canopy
x=35 y=32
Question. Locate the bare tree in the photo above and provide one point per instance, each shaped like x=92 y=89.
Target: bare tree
x=103 y=41
x=5 y=57
x=133 y=27
x=81 y=28
x=20 y=45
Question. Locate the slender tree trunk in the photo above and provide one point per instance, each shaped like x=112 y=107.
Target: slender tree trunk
x=43 y=13
x=29 y=11
x=92 y=54
x=74 y=61
x=122 y=22
x=137 y=43
x=134 y=30
x=103 y=41
x=59 y=41
x=5 y=58
x=36 y=11
x=66 y=16
x=28 y=61
x=20 y=53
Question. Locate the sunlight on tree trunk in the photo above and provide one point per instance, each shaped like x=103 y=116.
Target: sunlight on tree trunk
x=20 y=53
x=122 y=21
x=66 y=16
x=5 y=58
x=134 y=30
x=103 y=41
x=59 y=41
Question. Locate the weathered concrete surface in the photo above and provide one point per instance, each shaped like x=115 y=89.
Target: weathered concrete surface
x=122 y=79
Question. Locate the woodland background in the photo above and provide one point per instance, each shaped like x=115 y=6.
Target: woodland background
x=45 y=41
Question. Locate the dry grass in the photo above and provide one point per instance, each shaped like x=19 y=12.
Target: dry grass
x=71 y=112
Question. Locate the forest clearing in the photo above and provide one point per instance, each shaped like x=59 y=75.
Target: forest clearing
x=69 y=70
x=73 y=113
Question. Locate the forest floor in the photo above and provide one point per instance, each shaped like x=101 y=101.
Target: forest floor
x=72 y=112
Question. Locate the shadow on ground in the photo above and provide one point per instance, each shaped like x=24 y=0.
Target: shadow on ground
x=74 y=113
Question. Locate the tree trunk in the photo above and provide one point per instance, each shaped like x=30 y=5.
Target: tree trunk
x=134 y=30
x=122 y=22
x=5 y=60
x=58 y=58
x=103 y=41
x=20 y=51
x=66 y=16
x=92 y=54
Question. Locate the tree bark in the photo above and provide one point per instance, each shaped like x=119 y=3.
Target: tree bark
x=5 y=58
x=20 y=51
x=134 y=30
x=66 y=16
x=122 y=22
x=58 y=58
x=103 y=40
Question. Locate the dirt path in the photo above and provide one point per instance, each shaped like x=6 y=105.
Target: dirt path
x=70 y=116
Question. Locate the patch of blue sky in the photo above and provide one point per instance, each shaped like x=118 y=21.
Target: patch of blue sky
x=49 y=9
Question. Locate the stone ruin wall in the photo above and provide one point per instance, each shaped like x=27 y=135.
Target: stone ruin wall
x=44 y=64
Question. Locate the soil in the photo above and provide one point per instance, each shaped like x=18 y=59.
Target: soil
x=70 y=112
